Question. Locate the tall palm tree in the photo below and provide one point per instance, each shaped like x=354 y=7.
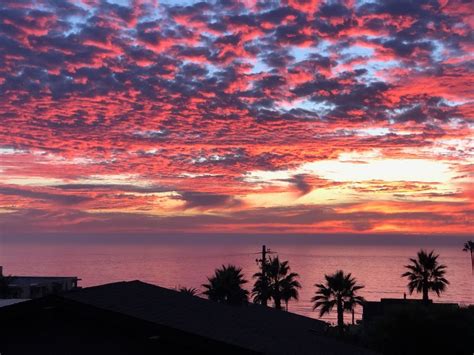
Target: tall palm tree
x=469 y=247
x=190 y=291
x=225 y=286
x=426 y=274
x=339 y=290
x=276 y=283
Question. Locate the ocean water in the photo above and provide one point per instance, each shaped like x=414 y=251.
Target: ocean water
x=187 y=262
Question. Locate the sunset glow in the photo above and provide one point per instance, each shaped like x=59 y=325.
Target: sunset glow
x=299 y=116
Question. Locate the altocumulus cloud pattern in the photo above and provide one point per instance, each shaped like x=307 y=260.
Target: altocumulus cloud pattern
x=229 y=116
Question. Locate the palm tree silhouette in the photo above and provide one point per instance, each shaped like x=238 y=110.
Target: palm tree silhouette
x=426 y=274
x=225 y=286
x=279 y=284
x=261 y=287
x=469 y=247
x=289 y=289
x=339 y=290
x=190 y=291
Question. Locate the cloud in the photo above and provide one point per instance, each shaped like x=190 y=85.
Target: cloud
x=61 y=199
x=113 y=187
x=203 y=200
x=193 y=98
x=301 y=184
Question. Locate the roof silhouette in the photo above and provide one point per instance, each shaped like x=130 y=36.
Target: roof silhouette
x=255 y=327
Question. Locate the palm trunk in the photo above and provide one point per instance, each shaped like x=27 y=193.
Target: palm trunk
x=277 y=303
x=472 y=261
x=340 y=316
x=426 y=299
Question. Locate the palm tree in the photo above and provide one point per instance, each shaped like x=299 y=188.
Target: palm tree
x=275 y=282
x=289 y=289
x=469 y=247
x=426 y=274
x=339 y=290
x=225 y=286
x=190 y=291
x=261 y=288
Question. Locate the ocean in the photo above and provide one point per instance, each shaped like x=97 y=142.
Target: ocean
x=187 y=261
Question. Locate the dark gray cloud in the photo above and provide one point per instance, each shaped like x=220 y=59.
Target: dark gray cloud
x=113 y=187
x=63 y=199
x=208 y=200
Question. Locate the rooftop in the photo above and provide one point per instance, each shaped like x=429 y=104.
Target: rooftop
x=33 y=280
x=255 y=327
x=10 y=301
x=373 y=309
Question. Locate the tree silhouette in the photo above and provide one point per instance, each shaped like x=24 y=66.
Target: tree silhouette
x=426 y=274
x=469 y=247
x=289 y=289
x=225 y=286
x=261 y=287
x=340 y=291
x=279 y=284
x=190 y=291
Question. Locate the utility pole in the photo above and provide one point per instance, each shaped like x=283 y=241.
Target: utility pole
x=263 y=260
x=264 y=253
x=263 y=264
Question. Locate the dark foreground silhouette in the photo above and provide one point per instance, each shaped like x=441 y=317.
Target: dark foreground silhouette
x=138 y=318
x=420 y=329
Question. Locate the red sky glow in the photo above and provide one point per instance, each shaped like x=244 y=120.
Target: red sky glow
x=292 y=116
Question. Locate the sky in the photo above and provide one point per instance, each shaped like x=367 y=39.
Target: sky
x=291 y=116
